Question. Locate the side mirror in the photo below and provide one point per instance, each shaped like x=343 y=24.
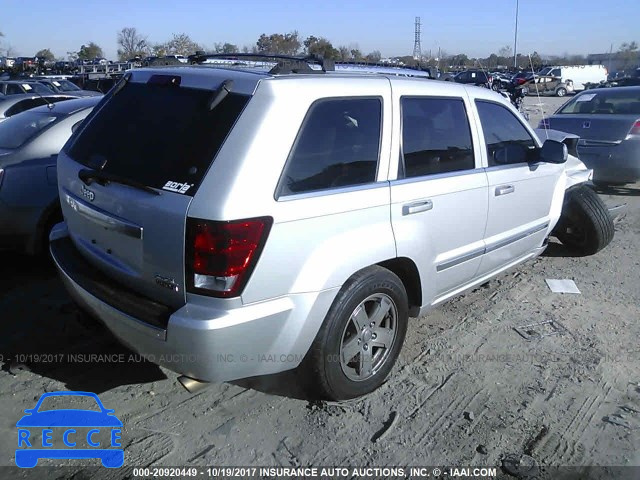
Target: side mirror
x=553 y=151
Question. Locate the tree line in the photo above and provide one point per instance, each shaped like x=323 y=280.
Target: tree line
x=132 y=43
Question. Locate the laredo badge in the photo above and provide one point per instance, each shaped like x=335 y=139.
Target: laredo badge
x=177 y=187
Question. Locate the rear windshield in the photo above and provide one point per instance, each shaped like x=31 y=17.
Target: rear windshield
x=160 y=136
x=604 y=101
x=17 y=130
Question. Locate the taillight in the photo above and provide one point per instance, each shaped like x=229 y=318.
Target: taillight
x=635 y=129
x=544 y=123
x=521 y=81
x=220 y=256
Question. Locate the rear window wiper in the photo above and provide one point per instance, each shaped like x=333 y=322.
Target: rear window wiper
x=104 y=178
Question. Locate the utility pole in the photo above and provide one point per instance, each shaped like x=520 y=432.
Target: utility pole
x=515 y=42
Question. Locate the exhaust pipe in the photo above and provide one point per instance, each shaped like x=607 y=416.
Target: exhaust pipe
x=192 y=385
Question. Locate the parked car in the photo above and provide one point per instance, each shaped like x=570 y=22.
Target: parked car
x=547 y=85
x=521 y=78
x=64 y=86
x=63 y=65
x=29 y=144
x=26 y=63
x=501 y=79
x=20 y=87
x=7 y=62
x=381 y=197
x=13 y=104
x=608 y=123
x=476 y=77
x=580 y=76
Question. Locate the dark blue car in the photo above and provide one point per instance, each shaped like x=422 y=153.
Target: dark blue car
x=66 y=422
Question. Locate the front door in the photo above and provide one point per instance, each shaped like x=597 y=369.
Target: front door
x=520 y=188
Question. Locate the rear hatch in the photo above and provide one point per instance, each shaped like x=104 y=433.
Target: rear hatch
x=128 y=175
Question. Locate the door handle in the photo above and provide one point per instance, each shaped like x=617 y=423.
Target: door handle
x=417 y=207
x=504 y=189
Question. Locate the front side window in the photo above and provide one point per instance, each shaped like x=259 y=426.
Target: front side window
x=436 y=137
x=337 y=146
x=508 y=141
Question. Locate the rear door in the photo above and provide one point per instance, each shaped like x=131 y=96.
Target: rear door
x=439 y=200
x=156 y=136
x=520 y=190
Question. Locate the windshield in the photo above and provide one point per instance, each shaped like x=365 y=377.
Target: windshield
x=545 y=71
x=17 y=130
x=153 y=134
x=605 y=102
x=65 y=85
x=36 y=88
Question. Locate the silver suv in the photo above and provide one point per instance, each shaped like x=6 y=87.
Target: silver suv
x=231 y=222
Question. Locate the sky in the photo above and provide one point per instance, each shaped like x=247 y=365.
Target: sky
x=475 y=28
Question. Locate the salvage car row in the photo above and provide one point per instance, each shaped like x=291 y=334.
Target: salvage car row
x=176 y=225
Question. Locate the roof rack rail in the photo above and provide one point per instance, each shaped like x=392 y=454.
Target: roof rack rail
x=283 y=63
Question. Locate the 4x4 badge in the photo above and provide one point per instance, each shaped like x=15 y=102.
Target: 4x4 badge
x=88 y=194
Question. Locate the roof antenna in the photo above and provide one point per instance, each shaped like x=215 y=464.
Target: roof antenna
x=539 y=105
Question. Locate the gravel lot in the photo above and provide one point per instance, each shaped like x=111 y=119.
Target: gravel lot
x=468 y=389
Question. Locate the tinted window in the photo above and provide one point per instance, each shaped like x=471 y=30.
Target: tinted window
x=154 y=134
x=24 y=105
x=337 y=146
x=605 y=102
x=556 y=72
x=13 y=89
x=435 y=136
x=18 y=129
x=507 y=139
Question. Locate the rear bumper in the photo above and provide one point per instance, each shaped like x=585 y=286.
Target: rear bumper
x=206 y=342
x=614 y=164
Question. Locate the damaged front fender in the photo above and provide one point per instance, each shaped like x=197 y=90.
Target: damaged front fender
x=575 y=171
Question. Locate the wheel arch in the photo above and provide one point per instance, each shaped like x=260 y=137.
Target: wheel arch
x=407 y=271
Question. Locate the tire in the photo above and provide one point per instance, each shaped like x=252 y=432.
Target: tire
x=585 y=225
x=344 y=361
x=561 y=92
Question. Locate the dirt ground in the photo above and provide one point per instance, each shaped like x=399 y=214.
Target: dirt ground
x=468 y=389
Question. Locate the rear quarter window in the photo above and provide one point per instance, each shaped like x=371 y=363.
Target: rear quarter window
x=155 y=134
x=337 y=146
